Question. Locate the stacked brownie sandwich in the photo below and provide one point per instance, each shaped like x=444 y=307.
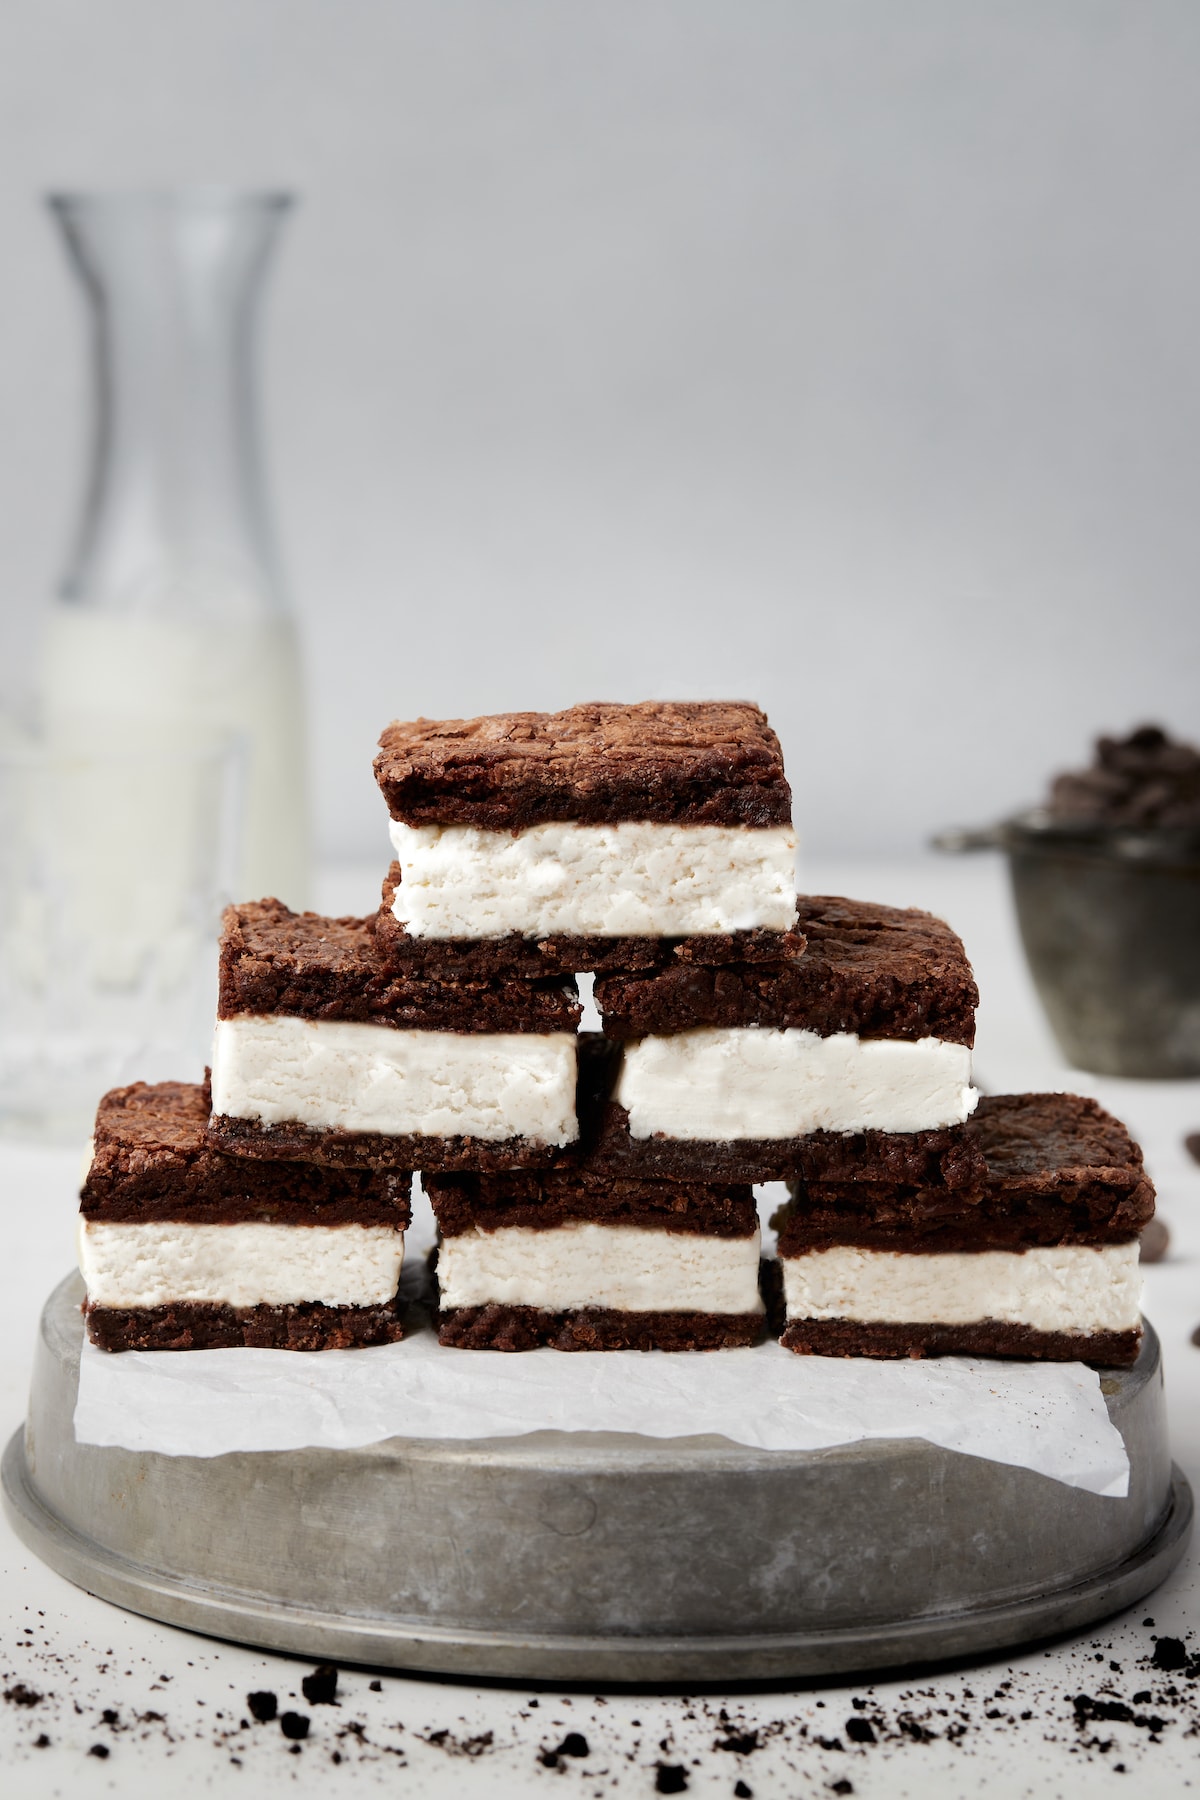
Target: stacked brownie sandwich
x=327 y=1052
x=851 y=1056
x=1027 y=1245
x=595 y=1191
x=184 y=1248
x=604 y=838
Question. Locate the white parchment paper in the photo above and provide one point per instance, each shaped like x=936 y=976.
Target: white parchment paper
x=1045 y=1416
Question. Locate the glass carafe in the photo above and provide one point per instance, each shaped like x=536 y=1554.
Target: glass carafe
x=172 y=622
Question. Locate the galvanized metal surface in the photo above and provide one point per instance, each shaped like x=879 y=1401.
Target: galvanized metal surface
x=596 y=1558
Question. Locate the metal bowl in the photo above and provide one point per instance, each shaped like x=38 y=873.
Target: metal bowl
x=1110 y=921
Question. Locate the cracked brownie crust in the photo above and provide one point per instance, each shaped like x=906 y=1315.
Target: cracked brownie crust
x=463 y=1203
x=661 y=761
x=154 y=1159
x=497 y=1327
x=877 y=971
x=846 y=1337
x=200 y=1325
x=273 y=960
x=516 y=957
x=1049 y=1143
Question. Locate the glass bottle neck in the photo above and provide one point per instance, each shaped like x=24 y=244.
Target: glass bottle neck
x=175 y=520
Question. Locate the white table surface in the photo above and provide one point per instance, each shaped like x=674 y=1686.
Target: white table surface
x=1004 y=1727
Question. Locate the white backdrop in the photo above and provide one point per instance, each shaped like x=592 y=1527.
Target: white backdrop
x=842 y=355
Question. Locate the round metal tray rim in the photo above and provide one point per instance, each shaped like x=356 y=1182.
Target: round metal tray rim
x=494 y=1571
x=286 y=1626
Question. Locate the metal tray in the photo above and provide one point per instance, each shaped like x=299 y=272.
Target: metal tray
x=596 y=1557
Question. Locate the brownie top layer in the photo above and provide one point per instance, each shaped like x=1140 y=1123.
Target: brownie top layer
x=153 y=1160
x=540 y=1201
x=1058 y=1170
x=273 y=960
x=878 y=971
x=1051 y=1142
x=688 y=762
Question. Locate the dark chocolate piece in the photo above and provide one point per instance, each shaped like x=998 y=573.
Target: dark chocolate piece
x=274 y=960
x=1145 y=780
x=540 y=1202
x=664 y=761
x=497 y=1327
x=514 y=956
x=1058 y=1169
x=990 y=1337
x=878 y=971
x=375 y=1149
x=204 y=1325
x=153 y=1159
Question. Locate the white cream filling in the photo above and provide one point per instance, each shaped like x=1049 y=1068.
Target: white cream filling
x=618 y=880
x=582 y=1264
x=248 y=1264
x=334 y=1075
x=715 y=1084
x=1071 y=1287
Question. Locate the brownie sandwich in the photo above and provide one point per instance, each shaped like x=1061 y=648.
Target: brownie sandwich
x=324 y=1053
x=1038 y=1259
x=851 y=1060
x=183 y=1248
x=580 y=1260
x=591 y=833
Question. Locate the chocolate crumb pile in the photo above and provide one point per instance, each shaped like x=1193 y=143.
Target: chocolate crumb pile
x=1144 y=779
x=1128 y=1702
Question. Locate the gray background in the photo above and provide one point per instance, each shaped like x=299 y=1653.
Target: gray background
x=841 y=355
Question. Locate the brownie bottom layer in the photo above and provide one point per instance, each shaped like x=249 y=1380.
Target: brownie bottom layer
x=498 y=1327
x=989 y=1337
x=946 y=1157
x=199 y=1325
x=376 y=1149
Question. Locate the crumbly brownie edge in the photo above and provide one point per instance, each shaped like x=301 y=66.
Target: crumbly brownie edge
x=947 y=1157
x=498 y=1327
x=713 y=763
x=990 y=1337
x=200 y=1325
x=374 y=1149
